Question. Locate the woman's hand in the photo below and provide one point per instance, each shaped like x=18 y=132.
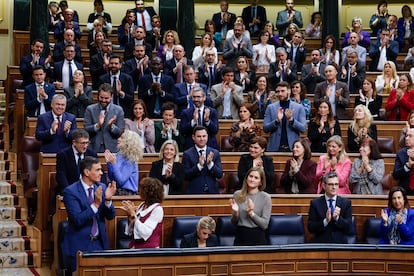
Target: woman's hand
x=384 y=216
x=234 y=206
x=250 y=207
x=129 y=207
x=109 y=157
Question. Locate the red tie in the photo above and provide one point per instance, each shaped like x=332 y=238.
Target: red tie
x=59 y=124
x=411 y=186
x=143 y=21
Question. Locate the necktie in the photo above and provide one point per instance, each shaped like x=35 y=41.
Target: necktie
x=349 y=79
x=70 y=73
x=211 y=78
x=331 y=205
x=283 y=73
x=179 y=75
x=59 y=124
x=94 y=229
x=189 y=88
x=79 y=160
x=289 y=13
x=200 y=117
x=157 y=107
x=115 y=91
x=201 y=152
x=143 y=21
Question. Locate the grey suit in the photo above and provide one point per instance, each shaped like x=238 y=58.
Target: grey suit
x=282 y=21
x=105 y=137
x=218 y=100
x=230 y=54
x=341 y=102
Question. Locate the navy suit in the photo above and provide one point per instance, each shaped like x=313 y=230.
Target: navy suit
x=60 y=30
x=59 y=48
x=191 y=240
x=57 y=71
x=309 y=79
x=399 y=172
x=355 y=82
x=204 y=181
x=375 y=53
x=181 y=92
x=130 y=67
x=80 y=217
x=171 y=64
x=335 y=231
x=273 y=79
x=229 y=24
x=127 y=86
x=30 y=98
x=150 y=11
x=129 y=50
x=300 y=56
x=26 y=68
x=187 y=130
x=248 y=18
x=53 y=143
x=97 y=69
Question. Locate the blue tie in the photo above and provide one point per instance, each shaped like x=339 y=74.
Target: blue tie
x=331 y=205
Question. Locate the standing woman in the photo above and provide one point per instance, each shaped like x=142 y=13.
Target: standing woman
x=251 y=209
x=145 y=221
x=329 y=53
x=298 y=176
x=78 y=95
x=165 y=50
x=142 y=125
x=298 y=95
x=368 y=96
x=292 y=29
x=336 y=160
x=95 y=45
x=405 y=23
x=243 y=76
x=123 y=166
x=379 y=19
x=388 y=80
x=314 y=28
x=203 y=236
x=323 y=127
x=401 y=100
x=360 y=128
x=263 y=53
x=397 y=225
x=274 y=38
x=367 y=170
x=261 y=97
x=243 y=131
x=200 y=52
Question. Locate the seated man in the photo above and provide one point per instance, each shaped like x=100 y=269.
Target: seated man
x=382 y=50
x=54 y=128
x=404 y=164
x=63 y=71
x=175 y=66
x=330 y=216
x=59 y=48
x=313 y=72
x=139 y=39
x=27 y=63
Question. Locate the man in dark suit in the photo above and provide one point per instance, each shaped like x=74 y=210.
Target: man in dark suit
x=209 y=72
x=125 y=30
x=314 y=72
x=283 y=69
x=330 y=216
x=202 y=165
x=137 y=66
x=104 y=121
x=67 y=24
x=404 y=164
x=254 y=17
x=88 y=204
x=122 y=84
x=288 y=16
x=156 y=88
x=335 y=91
x=143 y=15
x=296 y=50
x=100 y=63
x=59 y=48
x=139 y=39
x=27 y=63
x=175 y=66
x=54 y=128
x=352 y=71
x=199 y=115
x=384 y=44
x=38 y=95
x=224 y=20
x=68 y=160
x=63 y=71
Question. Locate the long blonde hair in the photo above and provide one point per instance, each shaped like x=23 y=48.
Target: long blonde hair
x=131 y=146
x=355 y=125
x=241 y=196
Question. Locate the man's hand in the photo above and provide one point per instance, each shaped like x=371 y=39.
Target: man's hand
x=67 y=125
x=98 y=197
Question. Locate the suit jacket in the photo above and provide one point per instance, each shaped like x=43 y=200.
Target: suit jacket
x=375 y=53
x=361 y=52
x=341 y=103
x=78 y=105
x=293 y=129
x=60 y=30
x=230 y=54
x=247 y=87
x=282 y=23
x=105 y=137
x=218 y=100
x=52 y=143
x=399 y=172
x=187 y=130
x=150 y=11
x=59 y=48
x=204 y=76
x=181 y=92
x=300 y=56
x=274 y=76
x=246 y=163
x=30 y=98
x=170 y=65
x=309 y=79
x=229 y=24
x=97 y=69
x=26 y=69
x=247 y=18
x=145 y=93
x=190 y=240
x=304 y=177
x=176 y=179
x=129 y=50
x=57 y=71
x=127 y=87
x=204 y=181
x=80 y=217
x=159 y=139
x=67 y=170
x=355 y=81
x=130 y=67
x=335 y=231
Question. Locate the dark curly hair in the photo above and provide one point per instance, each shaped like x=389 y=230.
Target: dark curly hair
x=151 y=190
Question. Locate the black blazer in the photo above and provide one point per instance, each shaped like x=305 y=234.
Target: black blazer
x=60 y=48
x=175 y=180
x=251 y=76
x=190 y=240
x=246 y=162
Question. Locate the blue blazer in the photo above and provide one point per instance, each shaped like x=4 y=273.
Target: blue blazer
x=335 y=231
x=181 y=92
x=204 y=76
x=127 y=86
x=26 y=69
x=293 y=129
x=53 y=143
x=130 y=67
x=60 y=48
x=80 y=216
x=217 y=21
x=187 y=130
x=375 y=53
x=60 y=30
x=406 y=230
x=57 y=71
x=198 y=180
x=399 y=172
x=30 y=98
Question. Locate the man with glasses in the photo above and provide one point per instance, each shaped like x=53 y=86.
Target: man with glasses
x=330 y=216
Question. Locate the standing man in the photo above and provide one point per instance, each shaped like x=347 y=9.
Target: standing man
x=314 y=72
x=297 y=50
x=224 y=20
x=29 y=62
x=54 y=128
x=88 y=204
x=202 y=165
x=404 y=164
x=68 y=23
x=137 y=66
x=287 y=16
x=237 y=45
x=143 y=16
x=139 y=39
x=63 y=71
x=100 y=63
x=175 y=66
x=209 y=71
x=330 y=216
x=283 y=69
x=285 y=120
x=59 y=48
x=382 y=50
x=254 y=17
x=352 y=71
x=104 y=121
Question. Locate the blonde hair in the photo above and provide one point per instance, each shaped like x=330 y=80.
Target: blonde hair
x=175 y=35
x=131 y=146
x=174 y=144
x=207 y=223
x=393 y=69
x=241 y=196
x=338 y=140
x=355 y=125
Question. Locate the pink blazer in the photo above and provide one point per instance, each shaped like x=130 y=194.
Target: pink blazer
x=343 y=170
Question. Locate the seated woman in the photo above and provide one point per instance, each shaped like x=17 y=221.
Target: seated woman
x=97 y=27
x=299 y=173
x=261 y=97
x=368 y=96
x=397 y=225
x=388 y=80
x=401 y=100
x=203 y=236
x=314 y=28
x=243 y=131
x=145 y=221
x=256 y=158
x=336 y=160
x=322 y=127
x=78 y=95
x=123 y=166
x=360 y=128
x=243 y=76
x=142 y=125
x=298 y=95
x=263 y=53
x=251 y=209
x=168 y=169
x=408 y=124
x=292 y=29
x=200 y=52
x=329 y=53
x=165 y=50
x=364 y=36
x=367 y=170
x=274 y=38
x=168 y=128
